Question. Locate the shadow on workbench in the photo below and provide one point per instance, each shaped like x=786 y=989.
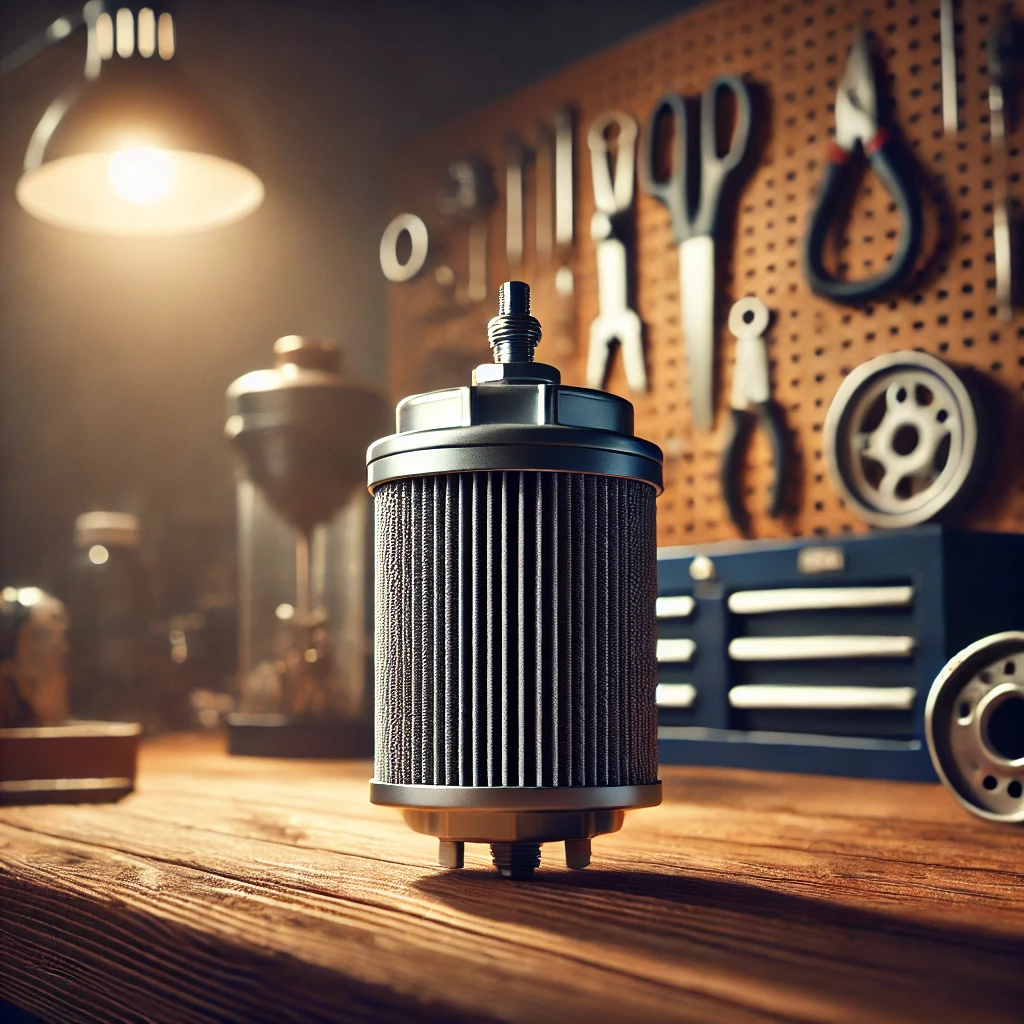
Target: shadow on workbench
x=870 y=962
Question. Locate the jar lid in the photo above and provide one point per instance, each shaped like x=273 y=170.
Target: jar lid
x=113 y=529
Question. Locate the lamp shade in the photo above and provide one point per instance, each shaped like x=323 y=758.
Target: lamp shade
x=136 y=151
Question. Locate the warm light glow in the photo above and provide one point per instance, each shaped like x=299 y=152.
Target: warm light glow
x=141 y=174
x=284 y=612
x=140 y=190
x=98 y=554
x=29 y=596
x=9 y=594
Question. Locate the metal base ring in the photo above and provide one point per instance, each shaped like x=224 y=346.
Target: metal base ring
x=516 y=798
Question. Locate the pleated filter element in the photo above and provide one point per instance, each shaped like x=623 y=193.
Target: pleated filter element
x=503 y=658
x=515 y=594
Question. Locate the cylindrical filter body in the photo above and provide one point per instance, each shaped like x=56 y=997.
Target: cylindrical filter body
x=516 y=653
x=515 y=592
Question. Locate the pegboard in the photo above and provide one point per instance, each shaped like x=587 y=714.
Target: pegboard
x=791 y=55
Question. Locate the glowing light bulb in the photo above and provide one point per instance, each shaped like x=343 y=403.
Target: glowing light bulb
x=98 y=554
x=141 y=175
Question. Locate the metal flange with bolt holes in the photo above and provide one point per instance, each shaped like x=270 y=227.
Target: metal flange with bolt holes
x=974 y=724
x=901 y=439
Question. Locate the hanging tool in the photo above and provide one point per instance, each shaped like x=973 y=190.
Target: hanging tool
x=694 y=225
x=563 y=187
x=750 y=400
x=394 y=270
x=544 y=199
x=565 y=282
x=947 y=45
x=515 y=158
x=904 y=441
x=467 y=195
x=613 y=199
x=857 y=123
x=1001 y=59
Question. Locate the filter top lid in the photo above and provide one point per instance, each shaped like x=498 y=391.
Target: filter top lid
x=516 y=415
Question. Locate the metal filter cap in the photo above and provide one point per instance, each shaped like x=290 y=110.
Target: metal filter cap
x=516 y=415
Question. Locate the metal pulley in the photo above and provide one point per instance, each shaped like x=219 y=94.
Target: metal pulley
x=902 y=439
x=974 y=724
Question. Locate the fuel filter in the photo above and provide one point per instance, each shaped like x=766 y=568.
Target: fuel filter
x=515 y=608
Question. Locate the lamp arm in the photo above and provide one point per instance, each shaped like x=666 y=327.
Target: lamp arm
x=58 y=30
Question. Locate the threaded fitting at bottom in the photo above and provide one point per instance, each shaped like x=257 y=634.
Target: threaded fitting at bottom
x=516 y=860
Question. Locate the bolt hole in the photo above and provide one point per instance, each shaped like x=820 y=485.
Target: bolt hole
x=989 y=782
x=985 y=677
x=942 y=415
x=1005 y=733
x=901 y=395
x=964 y=710
x=1014 y=789
x=748 y=316
x=1009 y=668
x=905 y=440
x=923 y=395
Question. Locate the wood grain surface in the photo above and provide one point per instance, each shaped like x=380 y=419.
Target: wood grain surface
x=237 y=889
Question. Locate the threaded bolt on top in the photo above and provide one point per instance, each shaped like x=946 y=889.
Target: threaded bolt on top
x=514 y=333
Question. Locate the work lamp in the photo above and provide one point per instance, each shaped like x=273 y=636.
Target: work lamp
x=131 y=148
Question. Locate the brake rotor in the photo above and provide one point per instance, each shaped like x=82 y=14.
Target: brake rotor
x=974 y=724
x=901 y=438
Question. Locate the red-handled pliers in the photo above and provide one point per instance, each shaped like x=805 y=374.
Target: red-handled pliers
x=857 y=122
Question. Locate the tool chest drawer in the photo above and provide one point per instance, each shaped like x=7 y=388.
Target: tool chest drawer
x=816 y=655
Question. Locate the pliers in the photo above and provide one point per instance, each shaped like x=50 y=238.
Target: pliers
x=857 y=123
x=750 y=400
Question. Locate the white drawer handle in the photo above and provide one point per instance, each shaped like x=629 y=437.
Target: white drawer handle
x=678 y=650
x=677 y=607
x=825 y=698
x=675 y=695
x=759 y=602
x=803 y=648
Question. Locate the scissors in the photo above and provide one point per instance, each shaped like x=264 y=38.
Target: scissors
x=694 y=225
x=750 y=399
x=613 y=197
x=857 y=124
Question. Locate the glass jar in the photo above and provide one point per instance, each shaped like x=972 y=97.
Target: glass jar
x=112 y=659
x=305 y=629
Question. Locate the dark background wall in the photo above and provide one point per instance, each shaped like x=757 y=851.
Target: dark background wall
x=114 y=354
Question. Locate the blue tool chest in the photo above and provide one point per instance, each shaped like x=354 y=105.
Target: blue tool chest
x=816 y=655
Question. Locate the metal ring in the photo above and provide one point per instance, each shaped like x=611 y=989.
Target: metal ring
x=418 y=236
x=516 y=798
x=972 y=723
x=749 y=317
x=901 y=439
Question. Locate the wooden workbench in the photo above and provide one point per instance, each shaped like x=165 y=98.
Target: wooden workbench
x=249 y=890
